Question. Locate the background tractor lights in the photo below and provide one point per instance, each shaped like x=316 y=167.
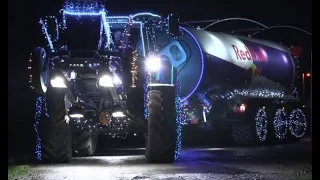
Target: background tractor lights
x=239 y=108
x=76 y=112
x=109 y=81
x=153 y=63
x=118 y=114
x=106 y=81
x=58 y=82
x=308 y=74
x=73 y=75
x=242 y=108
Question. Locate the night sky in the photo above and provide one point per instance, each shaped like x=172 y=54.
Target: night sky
x=24 y=17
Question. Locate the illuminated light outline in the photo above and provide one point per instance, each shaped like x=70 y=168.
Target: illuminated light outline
x=82 y=13
x=178 y=108
x=145 y=13
x=101 y=13
x=261 y=130
x=141 y=31
x=142 y=39
x=105 y=18
x=279 y=121
x=118 y=17
x=57 y=29
x=292 y=121
x=202 y=63
x=107 y=30
x=45 y=31
x=101 y=35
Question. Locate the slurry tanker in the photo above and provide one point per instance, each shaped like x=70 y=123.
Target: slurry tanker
x=141 y=73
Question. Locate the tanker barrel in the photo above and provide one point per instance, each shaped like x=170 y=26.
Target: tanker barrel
x=239 y=65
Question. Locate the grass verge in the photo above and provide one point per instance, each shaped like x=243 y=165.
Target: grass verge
x=15 y=171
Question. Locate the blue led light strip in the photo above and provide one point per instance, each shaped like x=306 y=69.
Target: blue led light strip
x=36 y=127
x=145 y=95
x=107 y=30
x=41 y=109
x=178 y=106
x=142 y=39
x=145 y=14
x=57 y=30
x=78 y=11
x=101 y=35
x=45 y=32
x=117 y=17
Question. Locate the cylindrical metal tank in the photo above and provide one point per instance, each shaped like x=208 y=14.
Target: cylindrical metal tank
x=211 y=59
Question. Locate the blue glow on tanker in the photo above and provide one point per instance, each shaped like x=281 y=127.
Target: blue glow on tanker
x=202 y=64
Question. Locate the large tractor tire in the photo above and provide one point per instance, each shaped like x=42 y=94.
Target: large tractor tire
x=161 y=138
x=84 y=143
x=55 y=132
x=38 y=70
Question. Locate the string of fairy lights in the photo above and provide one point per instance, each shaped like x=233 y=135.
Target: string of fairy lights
x=297 y=123
x=280 y=123
x=134 y=69
x=261 y=124
x=178 y=106
x=40 y=111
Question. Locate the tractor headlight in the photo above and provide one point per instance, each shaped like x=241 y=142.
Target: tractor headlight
x=106 y=81
x=153 y=63
x=58 y=82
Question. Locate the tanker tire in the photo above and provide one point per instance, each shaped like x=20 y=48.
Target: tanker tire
x=55 y=133
x=162 y=136
x=84 y=143
x=243 y=134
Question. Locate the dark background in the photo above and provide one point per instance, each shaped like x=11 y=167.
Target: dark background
x=23 y=27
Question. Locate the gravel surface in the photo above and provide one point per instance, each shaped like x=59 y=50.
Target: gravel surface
x=280 y=162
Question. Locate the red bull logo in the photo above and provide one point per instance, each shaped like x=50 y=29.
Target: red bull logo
x=250 y=53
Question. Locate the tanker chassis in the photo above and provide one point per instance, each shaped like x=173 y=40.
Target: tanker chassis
x=142 y=73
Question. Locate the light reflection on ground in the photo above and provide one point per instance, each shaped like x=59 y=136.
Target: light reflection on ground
x=277 y=162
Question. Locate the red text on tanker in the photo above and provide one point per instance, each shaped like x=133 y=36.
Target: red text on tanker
x=249 y=54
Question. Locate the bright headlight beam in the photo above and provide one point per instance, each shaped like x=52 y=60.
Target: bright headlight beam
x=153 y=63
x=58 y=82
x=106 y=81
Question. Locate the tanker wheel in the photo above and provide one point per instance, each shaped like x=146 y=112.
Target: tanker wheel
x=55 y=133
x=243 y=134
x=161 y=136
x=84 y=143
x=254 y=132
